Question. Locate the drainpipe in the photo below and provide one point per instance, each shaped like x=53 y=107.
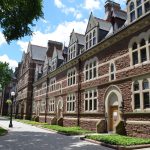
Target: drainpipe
x=79 y=91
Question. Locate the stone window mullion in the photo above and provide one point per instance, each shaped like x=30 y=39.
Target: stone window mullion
x=141 y=94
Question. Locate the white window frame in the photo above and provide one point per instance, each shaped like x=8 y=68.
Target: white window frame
x=72 y=52
x=54 y=64
x=141 y=91
x=90 y=69
x=88 y=99
x=71 y=77
x=51 y=105
x=52 y=86
x=71 y=103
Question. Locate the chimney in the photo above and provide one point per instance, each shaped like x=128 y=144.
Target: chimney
x=110 y=6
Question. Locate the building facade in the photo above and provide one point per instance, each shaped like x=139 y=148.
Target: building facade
x=29 y=70
x=101 y=81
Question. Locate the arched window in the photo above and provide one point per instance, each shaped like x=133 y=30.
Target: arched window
x=112 y=72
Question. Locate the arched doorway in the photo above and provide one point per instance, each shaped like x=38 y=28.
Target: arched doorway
x=113 y=103
x=60 y=108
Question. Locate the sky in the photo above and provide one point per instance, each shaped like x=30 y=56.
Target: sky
x=60 y=18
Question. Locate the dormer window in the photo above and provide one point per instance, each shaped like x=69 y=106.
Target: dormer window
x=54 y=64
x=90 y=42
x=72 y=52
x=139 y=8
x=94 y=37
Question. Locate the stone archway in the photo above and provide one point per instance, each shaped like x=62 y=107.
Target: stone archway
x=113 y=103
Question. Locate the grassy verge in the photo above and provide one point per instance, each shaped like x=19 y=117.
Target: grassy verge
x=67 y=130
x=2 y=131
x=115 y=139
x=34 y=123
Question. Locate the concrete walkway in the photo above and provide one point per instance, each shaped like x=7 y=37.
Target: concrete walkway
x=27 y=137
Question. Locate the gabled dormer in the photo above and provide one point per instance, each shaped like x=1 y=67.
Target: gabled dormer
x=137 y=9
x=76 y=43
x=57 y=59
x=96 y=30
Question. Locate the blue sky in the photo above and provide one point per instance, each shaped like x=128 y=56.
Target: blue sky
x=60 y=17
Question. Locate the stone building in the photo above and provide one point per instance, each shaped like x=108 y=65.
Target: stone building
x=29 y=70
x=102 y=82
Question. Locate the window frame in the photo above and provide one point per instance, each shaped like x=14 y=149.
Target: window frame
x=71 y=103
x=72 y=77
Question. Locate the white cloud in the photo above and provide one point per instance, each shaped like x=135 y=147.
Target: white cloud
x=59 y=4
x=61 y=34
x=12 y=63
x=91 y=4
x=23 y=45
x=2 y=39
x=67 y=10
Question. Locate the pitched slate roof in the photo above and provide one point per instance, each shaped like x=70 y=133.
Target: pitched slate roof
x=120 y=14
x=38 y=52
x=103 y=24
x=80 y=38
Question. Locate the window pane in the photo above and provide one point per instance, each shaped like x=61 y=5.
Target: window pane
x=90 y=74
x=94 y=72
x=143 y=55
x=147 y=6
x=112 y=67
x=139 y=11
x=86 y=75
x=146 y=100
x=94 y=40
x=138 y=2
x=136 y=101
x=142 y=43
x=135 y=58
x=95 y=93
x=134 y=46
x=95 y=104
x=132 y=16
x=86 y=105
x=90 y=94
x=131 y=6
x=136 y=86
x=112 y=76
x=145 y=85
x=90 y=104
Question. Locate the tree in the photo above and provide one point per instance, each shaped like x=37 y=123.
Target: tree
x=5 y=74
x=17 y=16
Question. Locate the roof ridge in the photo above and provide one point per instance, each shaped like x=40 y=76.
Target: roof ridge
x=38 y=45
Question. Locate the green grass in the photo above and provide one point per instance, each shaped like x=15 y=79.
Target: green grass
x=67 y=130
x=2 y=131
x=34 y=123
x=115 y=139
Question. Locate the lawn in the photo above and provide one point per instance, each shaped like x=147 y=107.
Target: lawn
x=115 y=139
x=34 y=123
x=2 y=131
x=67 y=130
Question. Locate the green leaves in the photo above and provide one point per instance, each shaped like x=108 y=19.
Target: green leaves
x=17 y=16
x=5 y=74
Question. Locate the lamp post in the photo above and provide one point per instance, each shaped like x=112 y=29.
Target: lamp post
x=12 y=98
x=0 y=97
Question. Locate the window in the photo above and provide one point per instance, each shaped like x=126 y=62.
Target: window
x=91 y=70
x=139 y=52
x=71 y=77
x=54 y=64
x=52 y=84
x=87 y=42
x=112 y=72
x=51 y=106
x=141 y=94
x=42 y=109
x=94 y=37
x=72 y=52
x=71 y=103
x=90 y=42
x=90 y=98
x=139 y=8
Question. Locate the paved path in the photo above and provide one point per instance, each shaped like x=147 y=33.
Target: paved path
x=26 y=137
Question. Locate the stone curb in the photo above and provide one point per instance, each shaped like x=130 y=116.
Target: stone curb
x=117 y=147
